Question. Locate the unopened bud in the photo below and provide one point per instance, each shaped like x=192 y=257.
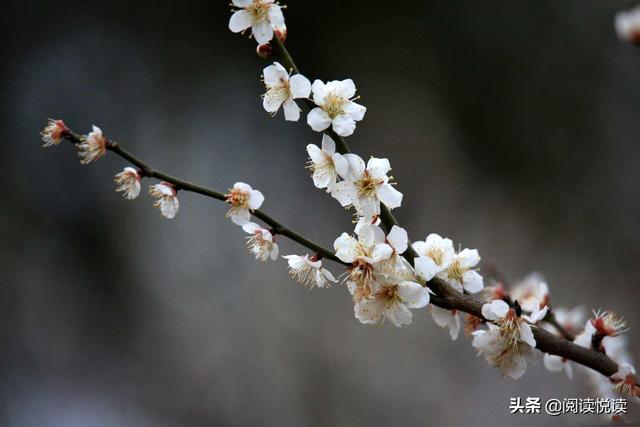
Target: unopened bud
x=264 y=50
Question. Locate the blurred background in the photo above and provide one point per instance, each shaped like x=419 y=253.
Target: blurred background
x=512 y=127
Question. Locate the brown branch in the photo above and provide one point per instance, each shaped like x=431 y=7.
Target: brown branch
x=447 y=297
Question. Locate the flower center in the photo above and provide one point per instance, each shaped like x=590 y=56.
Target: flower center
x=456 y=271
x=334 y=105
x=258 y=10
x=238 y=198
x=510 y=329
x=436 y=254
x=389 y=294
x=367 y=186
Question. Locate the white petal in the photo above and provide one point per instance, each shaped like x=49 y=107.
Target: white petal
x=389 y=196
x=454 y=327
x=496 y=309
x=345 y=248
x=381 y=251
x=526 y=335
x=328 y=144
x=291 y=110
x=398 y=238
x=469 y=257
x=262 y=32
x=251 y=227
x=345 y=193
x=340 y=164
x=275 y=74
x=318 y=119
x=553 y=363
x=356 y=166
x=354 y=110
x=426 y=268
x=240 y=21
x=343 y=125
x=368 y=312
x=255 y=199
x=518 y=368
x=327 y=274
x=346 y=88
x=242 y=186
x=414 y=295
x=399 y=315
x=240 y=216
x=378 y=168
x=472 y=282
x=319 y=92
x=299 y=86
x=276 y=18
x=315 y=153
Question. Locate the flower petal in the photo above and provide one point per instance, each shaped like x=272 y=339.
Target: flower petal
x=299 y=86
x=240 y=21
x=318 y=119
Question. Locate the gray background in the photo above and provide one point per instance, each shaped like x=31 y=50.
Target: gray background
x=512 y=127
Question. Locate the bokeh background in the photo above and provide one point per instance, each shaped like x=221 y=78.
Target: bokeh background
x=512 y=127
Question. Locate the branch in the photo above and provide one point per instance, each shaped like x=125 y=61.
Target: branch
x=447 y=297
x=181 y=184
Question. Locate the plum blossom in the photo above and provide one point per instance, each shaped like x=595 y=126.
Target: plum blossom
x=167 y=201
x=365 y=252
x=460 y=273
x=335 y=107
x=243 y=200
x=532 y=293
x=128 y=182
x=571 y=320
x=308 y=271
x=624 y=381
x=448 y=319
x=92 y=147
x=261 y=242
x=435 y=253
x=627 y=24
x=54 y=132
x=365 y=187
x=608 y=323
x=282 y=89
x=508 y=343
x=262 y=16
x=325 y=164
x=392 y=300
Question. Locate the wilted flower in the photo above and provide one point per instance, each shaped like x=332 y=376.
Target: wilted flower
x=392 y=301
x=128 y=182
x=508 y=343
x=335 y=107
x=54 y=132
x=364 y=188
x=325 y=164
x=282 y=89
x=309 y=271
x=261 y=243
x=262 y=16
x=532 y=293
x=448 y=319
x=243 y=199
x=93 y=147
x=167 y=201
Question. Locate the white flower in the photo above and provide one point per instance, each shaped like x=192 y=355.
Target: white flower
x=627 y=24
x=364 y=188
x=167 y=201
x=128 y=181
x=243 y=200
x=555 y=363
x=263 y=16
x=261 y=243
x=508 y=343
x=447 y=319
x=335 y=107
x=325 y=164
x=54 y=132
x=93 y=147
x=392 y=301
x=398 y=239
x=365 y=252
x=282 y=89
x=532 y=293
x=435 y=253
x=624 y=381
x=461 y=274
x=309 y=271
